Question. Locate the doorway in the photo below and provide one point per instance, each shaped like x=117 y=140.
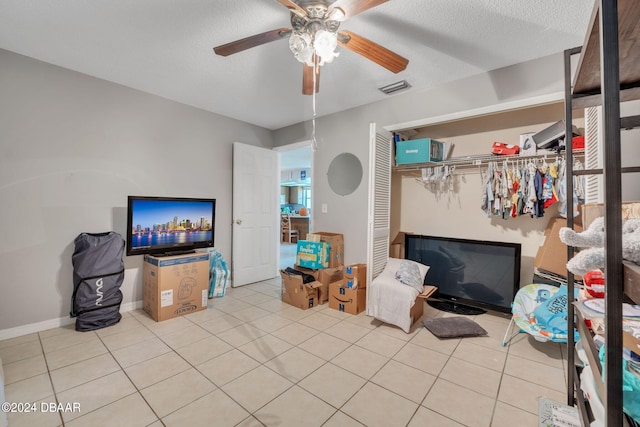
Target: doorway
x=296 y=162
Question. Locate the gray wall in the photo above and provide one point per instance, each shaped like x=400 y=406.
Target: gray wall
x=349 y=131
x=72 y=148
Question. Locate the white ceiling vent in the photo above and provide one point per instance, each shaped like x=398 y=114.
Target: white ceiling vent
x=394 y=87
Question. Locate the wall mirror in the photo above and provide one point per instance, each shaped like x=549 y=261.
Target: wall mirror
x=345 y=174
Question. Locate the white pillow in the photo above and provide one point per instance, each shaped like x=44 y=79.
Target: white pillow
x=394 y=265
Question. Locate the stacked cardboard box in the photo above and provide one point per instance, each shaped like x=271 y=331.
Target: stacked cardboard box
x=350 y=293
x=297 y=293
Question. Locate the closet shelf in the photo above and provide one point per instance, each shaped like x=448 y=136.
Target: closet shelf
x=482 y=160
x=632 y=281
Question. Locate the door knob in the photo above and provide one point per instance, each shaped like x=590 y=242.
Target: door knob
x=238 y=221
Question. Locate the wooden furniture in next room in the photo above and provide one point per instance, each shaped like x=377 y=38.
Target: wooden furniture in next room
x=288 y=233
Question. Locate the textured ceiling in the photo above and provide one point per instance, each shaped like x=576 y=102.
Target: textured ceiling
x=164 y=47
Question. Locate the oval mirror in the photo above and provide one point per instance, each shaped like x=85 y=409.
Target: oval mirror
x=345 y=174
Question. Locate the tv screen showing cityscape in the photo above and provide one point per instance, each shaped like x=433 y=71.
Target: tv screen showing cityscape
x=170 y=222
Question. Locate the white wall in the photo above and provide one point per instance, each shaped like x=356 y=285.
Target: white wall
x=349 y=132
x=72 y=148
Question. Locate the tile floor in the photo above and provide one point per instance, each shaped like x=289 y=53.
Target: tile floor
x=250 y=360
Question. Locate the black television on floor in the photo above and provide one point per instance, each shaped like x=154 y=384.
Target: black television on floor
x=169 y=225
x=472 y=276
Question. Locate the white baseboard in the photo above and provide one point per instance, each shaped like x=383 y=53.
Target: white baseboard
x=55 y=323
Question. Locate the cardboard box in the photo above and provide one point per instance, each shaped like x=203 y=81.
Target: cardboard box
x=417 y=310
x=312 y=255
x=356 y=273
x=176 y=285
x=396 y=247
x=298 y=294
x=326 y=276
x=527 y=144
x=422 y=150
x=341 y=298
x=336 y=247
x=552 y=253
x=591 y=211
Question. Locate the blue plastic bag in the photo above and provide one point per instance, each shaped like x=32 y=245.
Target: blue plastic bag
x=218 y=273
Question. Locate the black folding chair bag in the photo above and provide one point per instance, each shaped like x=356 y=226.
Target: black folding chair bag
x=98 y=272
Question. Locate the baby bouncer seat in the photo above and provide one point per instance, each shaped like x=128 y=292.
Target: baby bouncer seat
x=541 y=311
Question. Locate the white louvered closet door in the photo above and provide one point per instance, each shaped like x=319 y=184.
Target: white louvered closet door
x=380 y=157
x=593 y=154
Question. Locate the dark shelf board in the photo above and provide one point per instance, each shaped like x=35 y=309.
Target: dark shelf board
x=632 y=281
x=587 y=80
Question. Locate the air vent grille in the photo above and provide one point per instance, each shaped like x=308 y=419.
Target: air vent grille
x=394 y=87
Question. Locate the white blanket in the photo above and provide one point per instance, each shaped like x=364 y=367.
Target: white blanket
x=390 y=301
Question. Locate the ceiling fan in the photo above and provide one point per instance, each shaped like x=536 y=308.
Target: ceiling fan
x=314 y=36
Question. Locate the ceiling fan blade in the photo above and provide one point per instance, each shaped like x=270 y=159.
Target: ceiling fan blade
x=293 y=8
x=307 y=79
x=372 y=51
x=252 y=41
x=354 y=7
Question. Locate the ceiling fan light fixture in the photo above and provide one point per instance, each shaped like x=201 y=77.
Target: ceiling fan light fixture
x=300 y=44
x=324 y=44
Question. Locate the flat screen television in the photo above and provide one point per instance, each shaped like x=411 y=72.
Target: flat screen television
x=169 y=225
x=472 y=276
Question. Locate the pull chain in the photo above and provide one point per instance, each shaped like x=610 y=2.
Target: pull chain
x=314 y=143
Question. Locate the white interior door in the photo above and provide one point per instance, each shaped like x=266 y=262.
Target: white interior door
x=380 y=158
x=256 y=226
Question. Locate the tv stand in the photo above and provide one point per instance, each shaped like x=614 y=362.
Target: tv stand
x=453 y=307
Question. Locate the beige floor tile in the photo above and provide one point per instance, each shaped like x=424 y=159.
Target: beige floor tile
x=205 y=315
x=125 y=324
x=508 y=416
x=295 y=313
x=340 y=419
x=215 y=408
x=96 y=394
x=77 y=353
x=265 y=348
x=324 y=346
x=241 y=335
x=398 y=333
x=157 y=369
x=524 y=394
x=380 y=343
x=332 y=384
x=274 y=305
x=427 y=417
x=496 y=330
x=201 y=351
x=535 y=372
x=389 y=408
x=341 y=315
x=524 y=345
x=426 y=339
x=295 y=407
x=23 y=369
x=404 y=380
x=58 y=342
x=157 y=424
x=360 y=361
x=144 y=350
x=259 y=297
x=256 y=388
x=295 y=364
x=37 y=418
x=66 y=329
x=347 y=331
x=130 y=411
x=319 y=321
x=251 y=313
x=221 y=324
x=295 y=333
x=180 y=390
x=29 y=390
x=10 y=342
x=460 y=404
x=227 y=367
x=169 y=326
x=474 y=377
x=20 y=351
x=83 y=372
x=271 y=322
x=480 y=355
x=123 y=339
x=240 y=293
x=363 y=320
x=422 y=358
x=186 y=336
x=231 y=305
x=250 y=422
